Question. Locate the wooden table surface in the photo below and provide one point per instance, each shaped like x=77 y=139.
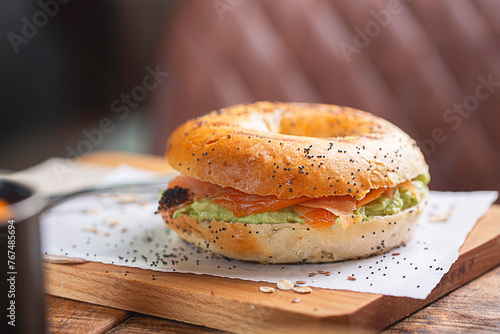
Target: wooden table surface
x=473 y=307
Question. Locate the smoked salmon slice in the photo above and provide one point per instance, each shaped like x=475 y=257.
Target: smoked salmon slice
x=409 y=185
x=319 y=218
x=340 y=206
x=240 y=203
x=371 y=196
x=320 y=212
x=246 y=204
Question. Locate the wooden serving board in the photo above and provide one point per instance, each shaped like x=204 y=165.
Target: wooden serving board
x=238 y=306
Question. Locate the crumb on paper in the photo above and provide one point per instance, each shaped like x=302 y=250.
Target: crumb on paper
x=351 y=278
x=311 y=274
x=111 y=222
x=95 y=209
x=95 y=231
x=127 y=198
x=102 y=233
x=300 y=282
x=440 y=217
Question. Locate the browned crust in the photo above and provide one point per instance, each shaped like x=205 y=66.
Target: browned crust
x=295 y=149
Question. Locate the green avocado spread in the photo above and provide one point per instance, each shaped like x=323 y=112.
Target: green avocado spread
x=205 y=210
x=403 y=198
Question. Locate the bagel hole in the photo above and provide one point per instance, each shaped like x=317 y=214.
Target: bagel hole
x=327 y=126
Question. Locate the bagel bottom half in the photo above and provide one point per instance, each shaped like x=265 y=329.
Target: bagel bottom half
x=298 y=243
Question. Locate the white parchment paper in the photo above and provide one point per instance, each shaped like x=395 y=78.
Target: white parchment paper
x=123 y=230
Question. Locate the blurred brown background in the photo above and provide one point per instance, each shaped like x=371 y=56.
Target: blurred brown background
x=431 y=67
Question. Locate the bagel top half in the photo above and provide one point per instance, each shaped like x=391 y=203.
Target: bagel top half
x=295 y=149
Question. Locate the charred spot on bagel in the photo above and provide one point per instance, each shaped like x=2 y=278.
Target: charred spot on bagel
x=173 y=197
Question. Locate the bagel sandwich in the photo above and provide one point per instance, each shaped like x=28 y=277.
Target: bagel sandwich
x=277 y=182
